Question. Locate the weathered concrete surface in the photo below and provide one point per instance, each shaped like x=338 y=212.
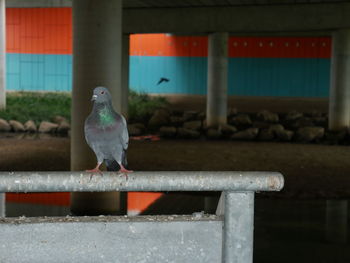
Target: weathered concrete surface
x=97 y=60
x=320 y=17
x=2 y=205
x=339 y=99
x=112 y=239
x=238 y=19
x=217 y=79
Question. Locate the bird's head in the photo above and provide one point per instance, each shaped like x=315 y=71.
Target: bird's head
x=101 y=95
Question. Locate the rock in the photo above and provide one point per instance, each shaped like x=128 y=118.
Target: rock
x=285 y=135
x=187 y=133
x=160 y=117
x=201 y=116
x=190 y=115
x=177 y=120
x=63 y=127
x=320 y=121
x=167 y=131
x=248 y=134
x=58 y=119
x=227 y=129
x=242 y=120
x=48 y=127
x=213 y=134
x=193 y=125
x=293 y=115
x=309 y=134
x=316 y=114
x=281 y=133
x=136 y=129
x=267 y=116
x=303 y=122
x=232 y=111
x=261 y=124
x=266 y=135
x=276 y=128
x=16 y=126
x=4 y=126
x=30 y=126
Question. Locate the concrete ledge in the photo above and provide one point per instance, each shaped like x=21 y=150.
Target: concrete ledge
x=196 y=238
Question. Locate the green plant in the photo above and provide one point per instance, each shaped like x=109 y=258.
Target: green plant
x=40 y=106
x=142 y=106
x=36 y=106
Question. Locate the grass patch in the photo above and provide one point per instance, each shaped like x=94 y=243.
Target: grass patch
x=142 y=106
x=36 y=106
x=40 y=106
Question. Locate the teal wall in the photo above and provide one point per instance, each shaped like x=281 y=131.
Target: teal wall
x=296 y=77
x=38 y=72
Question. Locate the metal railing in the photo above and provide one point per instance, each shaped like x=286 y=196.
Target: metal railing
x=238 y=189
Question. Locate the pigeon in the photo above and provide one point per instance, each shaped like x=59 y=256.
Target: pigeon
x=106 y=133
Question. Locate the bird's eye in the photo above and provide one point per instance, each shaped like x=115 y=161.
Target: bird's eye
x=102 y=92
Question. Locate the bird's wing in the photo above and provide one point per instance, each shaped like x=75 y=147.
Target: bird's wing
x=124 y=136
x=88 y=133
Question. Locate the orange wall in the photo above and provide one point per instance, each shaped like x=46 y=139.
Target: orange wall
x=39 y=30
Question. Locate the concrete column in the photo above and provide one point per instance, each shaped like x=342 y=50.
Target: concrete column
x=339 y=100
x=217 y=79
x=2 y=54
x=97 y=47
x=2 y=205
x=125 y=74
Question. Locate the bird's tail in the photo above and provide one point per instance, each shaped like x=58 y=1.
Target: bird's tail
x=124 y=159
x=112 y=165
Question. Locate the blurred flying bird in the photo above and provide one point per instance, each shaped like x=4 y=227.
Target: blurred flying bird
x=106 y=133
x=163 y=80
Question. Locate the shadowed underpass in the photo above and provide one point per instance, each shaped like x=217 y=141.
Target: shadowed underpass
x=291 y=223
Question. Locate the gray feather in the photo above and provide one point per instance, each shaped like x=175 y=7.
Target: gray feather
x=106 y=131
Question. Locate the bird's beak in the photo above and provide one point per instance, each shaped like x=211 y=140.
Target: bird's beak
x=94 y=97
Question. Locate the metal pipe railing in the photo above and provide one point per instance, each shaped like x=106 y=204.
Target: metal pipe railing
x=238 y=189
x=139 y=181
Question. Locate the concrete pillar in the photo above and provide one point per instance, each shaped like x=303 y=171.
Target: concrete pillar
x=125 y=74
x=217 y=79
x=339 y=100
x=2 y=205
x=97 y=47
x=336 y=221
x=2 y=54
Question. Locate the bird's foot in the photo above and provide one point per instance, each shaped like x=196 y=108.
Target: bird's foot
x=94 y=172
x=124 y=171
